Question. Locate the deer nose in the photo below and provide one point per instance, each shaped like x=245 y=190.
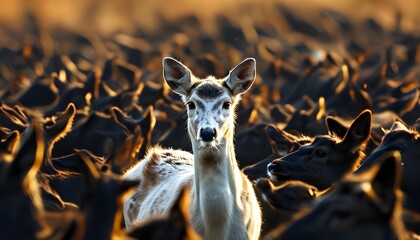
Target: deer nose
x=208 y=134
x=271 y=167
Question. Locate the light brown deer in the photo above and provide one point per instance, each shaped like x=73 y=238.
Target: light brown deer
x=223 y=203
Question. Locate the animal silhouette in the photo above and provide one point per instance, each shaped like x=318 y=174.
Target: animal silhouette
x=361 y=206
x=328 y=157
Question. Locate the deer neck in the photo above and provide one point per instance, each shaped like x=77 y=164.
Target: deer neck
x=214 y=191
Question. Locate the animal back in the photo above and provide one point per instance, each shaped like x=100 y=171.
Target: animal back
x=163 y=173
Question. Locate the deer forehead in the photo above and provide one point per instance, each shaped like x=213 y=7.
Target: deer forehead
x=210 y=93
x=209 y=90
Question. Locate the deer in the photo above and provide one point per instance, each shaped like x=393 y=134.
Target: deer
x=328 y=157
x=361 y=206
x=223 y=202
x=282 y=143
x=407 y=141
x=172 y=227
x=287 y=198
x=22 y=155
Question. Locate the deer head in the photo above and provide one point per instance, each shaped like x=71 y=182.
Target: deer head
x=210 y=102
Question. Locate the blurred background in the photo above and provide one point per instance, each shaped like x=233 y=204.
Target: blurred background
x=107 y=16
x=296 y=44
x=376 y=40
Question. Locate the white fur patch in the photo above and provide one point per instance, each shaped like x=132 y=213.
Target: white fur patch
x=172 y=171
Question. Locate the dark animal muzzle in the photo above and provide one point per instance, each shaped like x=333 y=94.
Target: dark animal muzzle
x=272 y=167
x=277 y=169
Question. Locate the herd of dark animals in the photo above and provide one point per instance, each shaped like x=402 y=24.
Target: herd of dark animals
x=330 y=135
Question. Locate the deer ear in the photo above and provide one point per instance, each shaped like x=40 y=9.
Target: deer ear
x=334 y=126
x=280 y=136
x=273 y=133
x=241 y=77
x=359 y=132
x=25 y=157
x=387 y=180
x=61 y=124
x=148 y=122
x=177 y=76
x=8 y=146
x=397 y=126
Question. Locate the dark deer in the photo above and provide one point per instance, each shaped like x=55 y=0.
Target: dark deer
x=407 y=142
x=288 y=198
x=175 y=226
x=100 y=212
x=328 y=157
x=21 y=158
x=362 y=206
x=16 y=207
x=282 y=143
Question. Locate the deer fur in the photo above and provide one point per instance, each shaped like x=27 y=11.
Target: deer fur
x=223 y=203
x=328 y=157
x=361 y=206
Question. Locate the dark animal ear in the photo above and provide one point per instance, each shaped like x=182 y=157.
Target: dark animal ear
x=121 y=118
x=387 y=180
x=358 y=132
x=279 y=135
x=59 y=125
x=31 y=142
x=335 y=127
x=280 y=140
x=399 y=126
x=318 y=110
x=416 y=125
x=241 y=77
x=148 y=122
x=93 y=173
x=8 y=146
x=177 y=76
x=273 y=133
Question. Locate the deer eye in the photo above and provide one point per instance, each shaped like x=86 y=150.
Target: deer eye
x=226 y=105
x=319 y=153
x=190 y=105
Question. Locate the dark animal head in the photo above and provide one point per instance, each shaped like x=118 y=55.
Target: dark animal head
x=407 y=142
x=288 y=198
x=21 y=157
x=252 y=145
x=173 y=227
x=58 y=126
x=328 y=157
x=364 y=206
x=283 y=142
x=259 y=169
x=13 y=118
x=93 y=134
x=103 y=204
